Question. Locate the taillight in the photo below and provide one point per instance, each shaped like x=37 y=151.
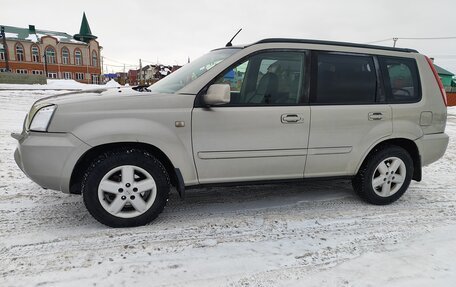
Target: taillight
x=437 y=78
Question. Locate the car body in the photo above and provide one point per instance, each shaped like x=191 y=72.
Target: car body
x=275 y=110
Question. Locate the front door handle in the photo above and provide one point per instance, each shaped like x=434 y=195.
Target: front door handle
x=375 y=116
x=291 y=118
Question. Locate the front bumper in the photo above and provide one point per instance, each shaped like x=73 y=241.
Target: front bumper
x=432 y=147
x=48 y=158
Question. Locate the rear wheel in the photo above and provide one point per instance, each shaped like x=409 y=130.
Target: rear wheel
x=125 y=188
x=384 y=176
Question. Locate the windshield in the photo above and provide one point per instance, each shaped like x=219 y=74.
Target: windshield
x=191 y=71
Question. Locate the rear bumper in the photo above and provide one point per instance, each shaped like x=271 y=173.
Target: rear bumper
x=48 y=158
x=432 y=147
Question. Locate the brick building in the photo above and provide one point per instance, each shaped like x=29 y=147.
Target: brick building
x=57 y=54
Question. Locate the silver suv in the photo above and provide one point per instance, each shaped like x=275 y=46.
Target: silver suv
x=275 y=110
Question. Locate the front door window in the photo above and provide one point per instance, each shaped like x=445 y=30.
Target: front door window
x=271 y=78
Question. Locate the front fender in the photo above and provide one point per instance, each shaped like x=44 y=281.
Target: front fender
x=174 y=142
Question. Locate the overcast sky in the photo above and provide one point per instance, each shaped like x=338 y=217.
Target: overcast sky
x=169 y=31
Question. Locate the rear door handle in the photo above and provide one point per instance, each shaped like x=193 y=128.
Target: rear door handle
x=291 y=118
x=375 y=116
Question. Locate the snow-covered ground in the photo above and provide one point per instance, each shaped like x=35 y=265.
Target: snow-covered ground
x=316 y=233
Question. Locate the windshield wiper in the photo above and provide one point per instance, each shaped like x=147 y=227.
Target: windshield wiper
x=142 y=88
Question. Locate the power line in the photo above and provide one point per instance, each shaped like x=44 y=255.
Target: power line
x=428 y=38
x=152 y=62
x=379 y=41
x=444 y=56
x=118 y=66
x=413 y=38
x=119 y=62
x=132 y=65
x=156 y=62
x=446 y=59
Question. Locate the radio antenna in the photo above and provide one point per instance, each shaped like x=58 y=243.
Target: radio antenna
x=229 y=44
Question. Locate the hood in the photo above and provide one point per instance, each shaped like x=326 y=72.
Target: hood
x=102 y=101
x=76 y=109
x=85 y=95
x=79 y=96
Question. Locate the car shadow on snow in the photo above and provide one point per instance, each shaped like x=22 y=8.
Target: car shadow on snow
x=231 y=198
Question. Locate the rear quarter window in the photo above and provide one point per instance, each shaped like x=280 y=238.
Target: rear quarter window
x=400 y=79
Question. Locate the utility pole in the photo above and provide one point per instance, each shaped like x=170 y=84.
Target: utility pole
x=5 y=48
x=45 y=64
x=59 y=74
x=395 y=40
x=87 y=65
x=102 y=72
x=140 y=71
x=124 y=76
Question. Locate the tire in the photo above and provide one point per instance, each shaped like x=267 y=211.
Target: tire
x=384 y=176
x=125 y=188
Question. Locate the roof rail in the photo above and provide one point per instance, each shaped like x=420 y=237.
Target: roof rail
x=334 y=43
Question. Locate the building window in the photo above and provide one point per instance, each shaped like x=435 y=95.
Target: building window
x=52 y=75
x=67 y=75
x=78 y=57
x=19 y=53
x=65 y=56
x=94 y=59
x=21 y=71
x=35 y=54
x=79 y=76
x=50 y=55
x=94 y=79
x=37 y=72
x=2 y=55
x=2 y=70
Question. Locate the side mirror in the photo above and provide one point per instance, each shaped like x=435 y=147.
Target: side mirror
x=217 y=94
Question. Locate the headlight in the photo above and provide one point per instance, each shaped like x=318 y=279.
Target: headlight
x=42 y=118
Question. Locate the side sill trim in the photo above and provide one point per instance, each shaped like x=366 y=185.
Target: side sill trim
x=263 y=182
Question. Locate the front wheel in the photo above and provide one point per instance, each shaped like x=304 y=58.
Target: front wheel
x=125 y=188
x=384 y=176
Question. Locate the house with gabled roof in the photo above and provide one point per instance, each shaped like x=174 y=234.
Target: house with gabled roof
x=445 y=76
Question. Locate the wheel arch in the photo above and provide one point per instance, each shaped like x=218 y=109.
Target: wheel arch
x=407 y=144
x=85 y=160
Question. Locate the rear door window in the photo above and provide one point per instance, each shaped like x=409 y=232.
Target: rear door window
x=343 y=79
x=400 y=79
